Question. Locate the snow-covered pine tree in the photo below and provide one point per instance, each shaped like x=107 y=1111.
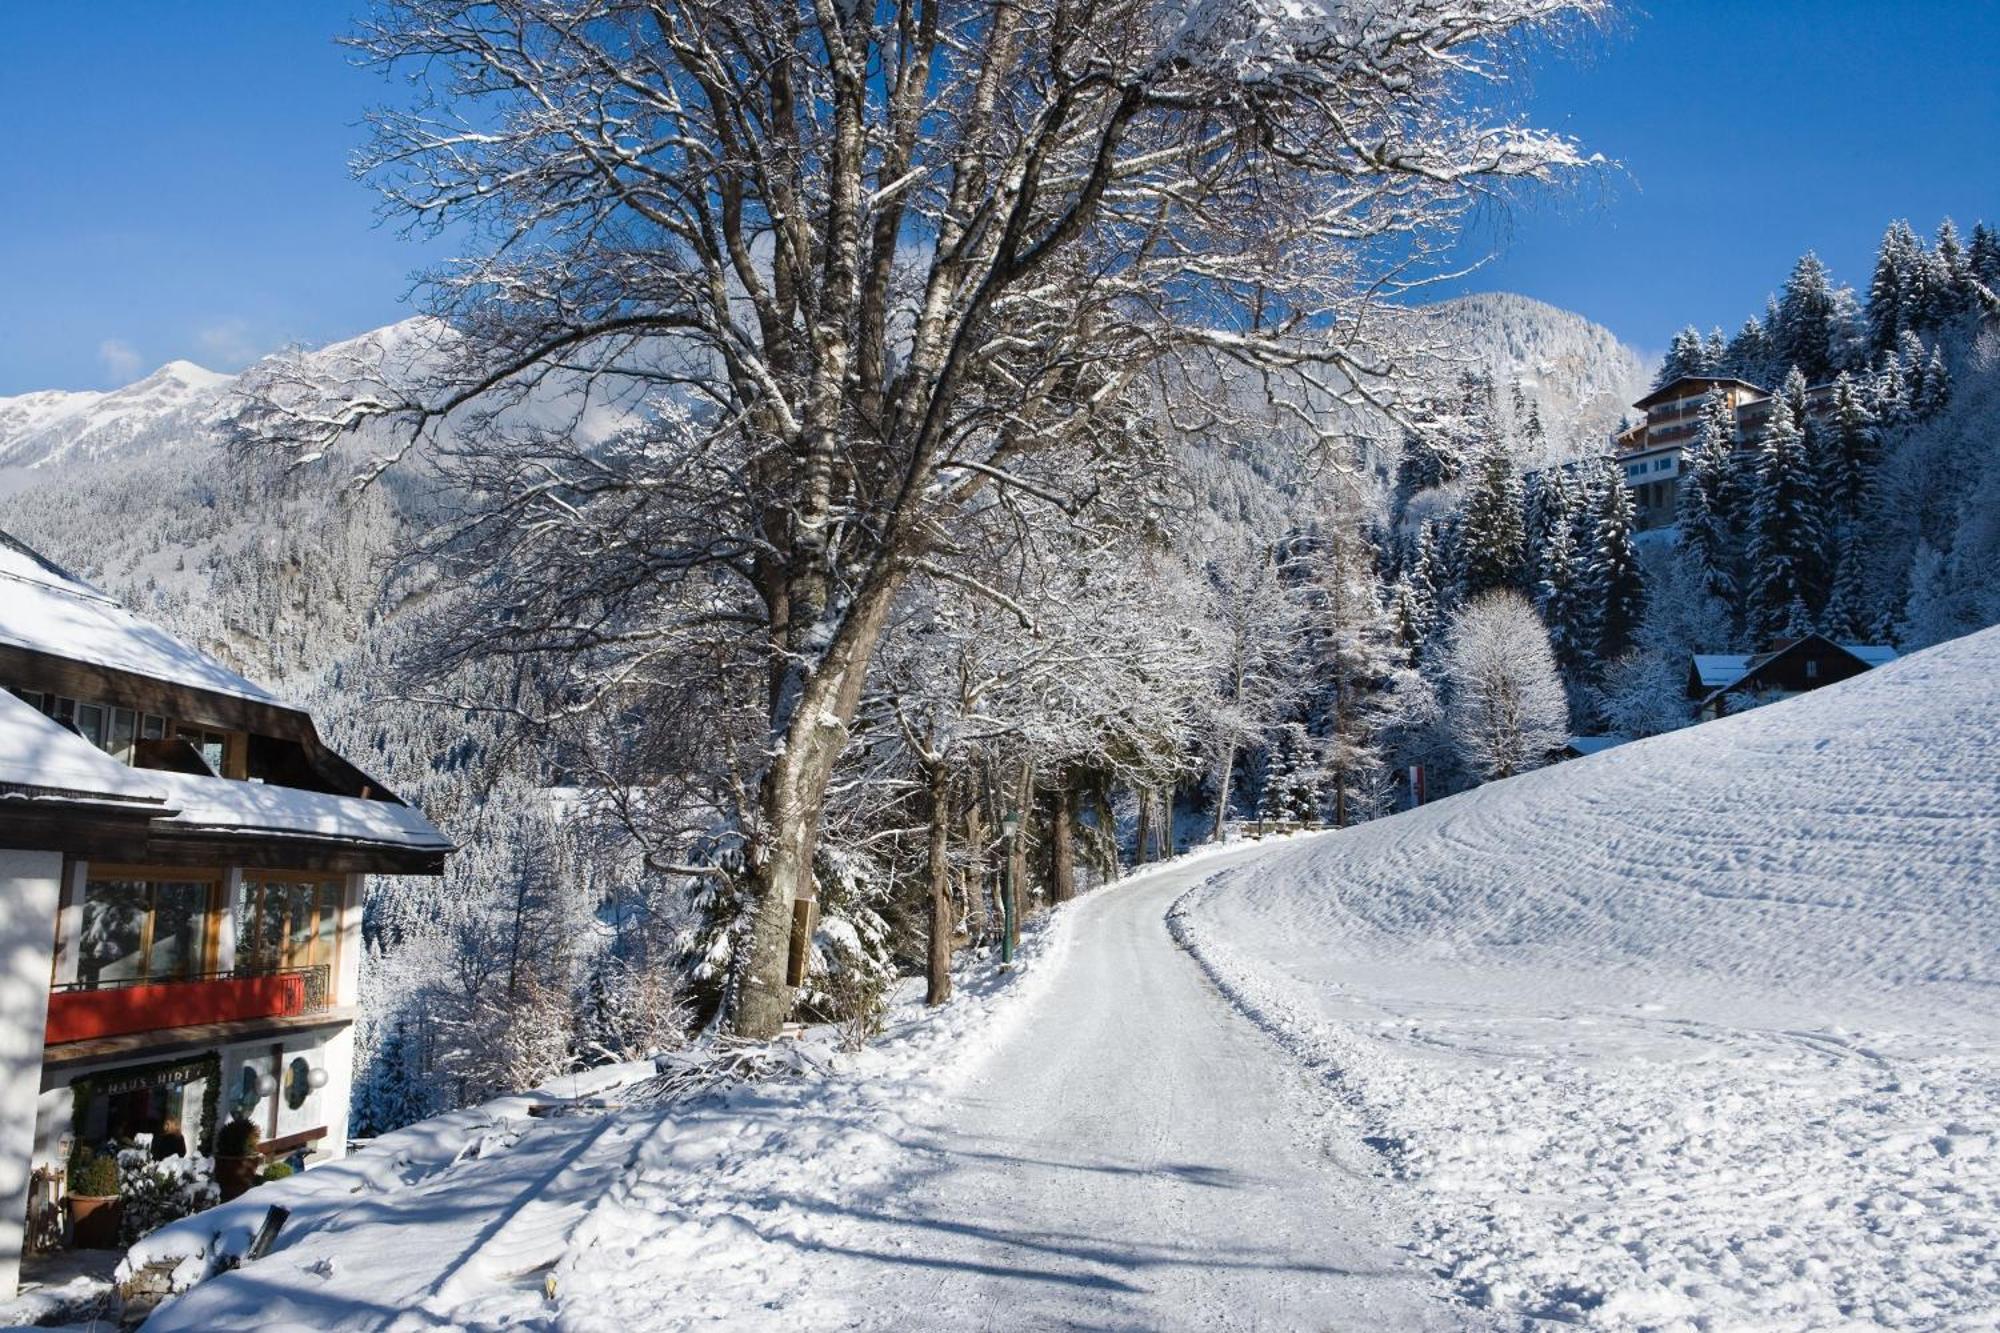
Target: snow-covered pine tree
x=1936 y=389
x=1490 y=526
x=1853 y=450
x=1956 y=269
x=1893 y=287
x=1748 y=356
x=1786 y=532
x=1983 y=256
x=1565 y=606
x=1616 y=584
x=1686 y=355
x=1703 y=514
x=1803 y=334
x=1714 y=352
x=1355 y=656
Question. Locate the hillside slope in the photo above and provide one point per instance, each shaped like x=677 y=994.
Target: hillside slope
x=1704 y=1027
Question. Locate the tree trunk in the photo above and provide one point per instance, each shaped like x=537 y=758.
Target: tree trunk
x=938 y=964
x=791 y=798
x=976 y=902
x=1143 y=843
x=1062 y=842
x=1222 y=791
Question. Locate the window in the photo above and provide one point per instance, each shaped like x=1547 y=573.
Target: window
x=143 y=929
x=213 y=746
x=286 y=921
x=124 y=730
x=1812 y=668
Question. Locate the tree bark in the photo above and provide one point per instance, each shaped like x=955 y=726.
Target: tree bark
x=937 y=977
x=1062 y=841
x=791 y=798
x=1222 y=790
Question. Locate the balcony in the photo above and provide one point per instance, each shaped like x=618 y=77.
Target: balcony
x=86 y=1012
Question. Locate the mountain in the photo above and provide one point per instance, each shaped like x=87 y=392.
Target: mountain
x=178 y=401
x=1579 y=374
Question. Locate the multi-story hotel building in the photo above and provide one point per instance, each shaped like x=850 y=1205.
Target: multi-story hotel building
x=181 y=868
x=1651 y=452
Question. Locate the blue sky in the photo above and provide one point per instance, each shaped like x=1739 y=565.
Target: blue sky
x=176 y=181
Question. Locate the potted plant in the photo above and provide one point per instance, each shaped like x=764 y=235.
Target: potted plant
x=94 y=1203
x=237 y=1161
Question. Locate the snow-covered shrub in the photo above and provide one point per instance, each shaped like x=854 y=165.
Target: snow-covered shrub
x=162 y=1191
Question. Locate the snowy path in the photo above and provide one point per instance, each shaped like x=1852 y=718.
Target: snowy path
x=1133 y=1158
x=1101 y=1141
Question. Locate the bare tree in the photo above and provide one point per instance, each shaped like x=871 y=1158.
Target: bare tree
x=1508 y=709
x=872 y=268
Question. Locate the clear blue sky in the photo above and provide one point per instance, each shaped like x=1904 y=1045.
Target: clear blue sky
x=176 y=184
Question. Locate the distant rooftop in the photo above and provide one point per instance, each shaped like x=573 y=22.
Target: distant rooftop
x=1672 y=388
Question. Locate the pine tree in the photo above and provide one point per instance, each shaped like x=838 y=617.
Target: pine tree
x=1786 y=534
x=1983 y=257
x=1686 y=355
x=1565 y=606
x=1893 y=286
x=1749 y=354
x=1957 y=269
x=1703 y=511
x=1491 y=528
x=1714 y=352
x=1802 y=335
x=1616 y=585
x=1854 y=450
x=1936 y=390
x=1845 y=617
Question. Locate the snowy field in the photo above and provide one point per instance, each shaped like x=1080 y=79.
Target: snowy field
x=1702 y=1032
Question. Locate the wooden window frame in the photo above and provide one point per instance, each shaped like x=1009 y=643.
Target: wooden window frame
x=262 y=880
x=151 y=876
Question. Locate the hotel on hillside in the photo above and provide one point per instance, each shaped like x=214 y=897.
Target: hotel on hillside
x=1651 y=452
x=181 y=867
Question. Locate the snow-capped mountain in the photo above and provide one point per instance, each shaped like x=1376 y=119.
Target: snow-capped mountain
x=1582 y=377
x=178 y=401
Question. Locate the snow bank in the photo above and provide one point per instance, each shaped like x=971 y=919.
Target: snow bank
x=1702 y=1031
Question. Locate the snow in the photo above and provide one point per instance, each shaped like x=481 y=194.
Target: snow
x=1027 y=1154
x=47 y=609
x=1696 y=1033
x=36 y=752
x=226 y=804
x=51 y=426
x=1719 y=669
x=1701 y=1032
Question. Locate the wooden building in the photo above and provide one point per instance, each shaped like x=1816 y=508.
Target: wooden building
x=181 y=864
x=1724 y=683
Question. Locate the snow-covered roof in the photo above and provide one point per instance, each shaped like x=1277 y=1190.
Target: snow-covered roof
x=45 y=608
x=1874 y=654
x=229 y=806
x=36 y=752
x=1718 y=669
x=1588 y=745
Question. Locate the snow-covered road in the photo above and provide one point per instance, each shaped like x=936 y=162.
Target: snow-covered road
x=1138 y=1155
x=1101 y=1141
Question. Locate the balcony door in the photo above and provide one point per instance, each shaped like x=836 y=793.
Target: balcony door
x=144 y=926
x=286 y=921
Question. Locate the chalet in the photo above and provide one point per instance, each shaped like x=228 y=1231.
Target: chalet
x=181 y=867
x=1722 y=683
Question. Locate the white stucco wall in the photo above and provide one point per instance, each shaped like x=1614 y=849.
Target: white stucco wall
x=30 y=889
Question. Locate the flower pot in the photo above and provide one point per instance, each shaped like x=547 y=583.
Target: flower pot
x=93 y=1220
x=233 y=1175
